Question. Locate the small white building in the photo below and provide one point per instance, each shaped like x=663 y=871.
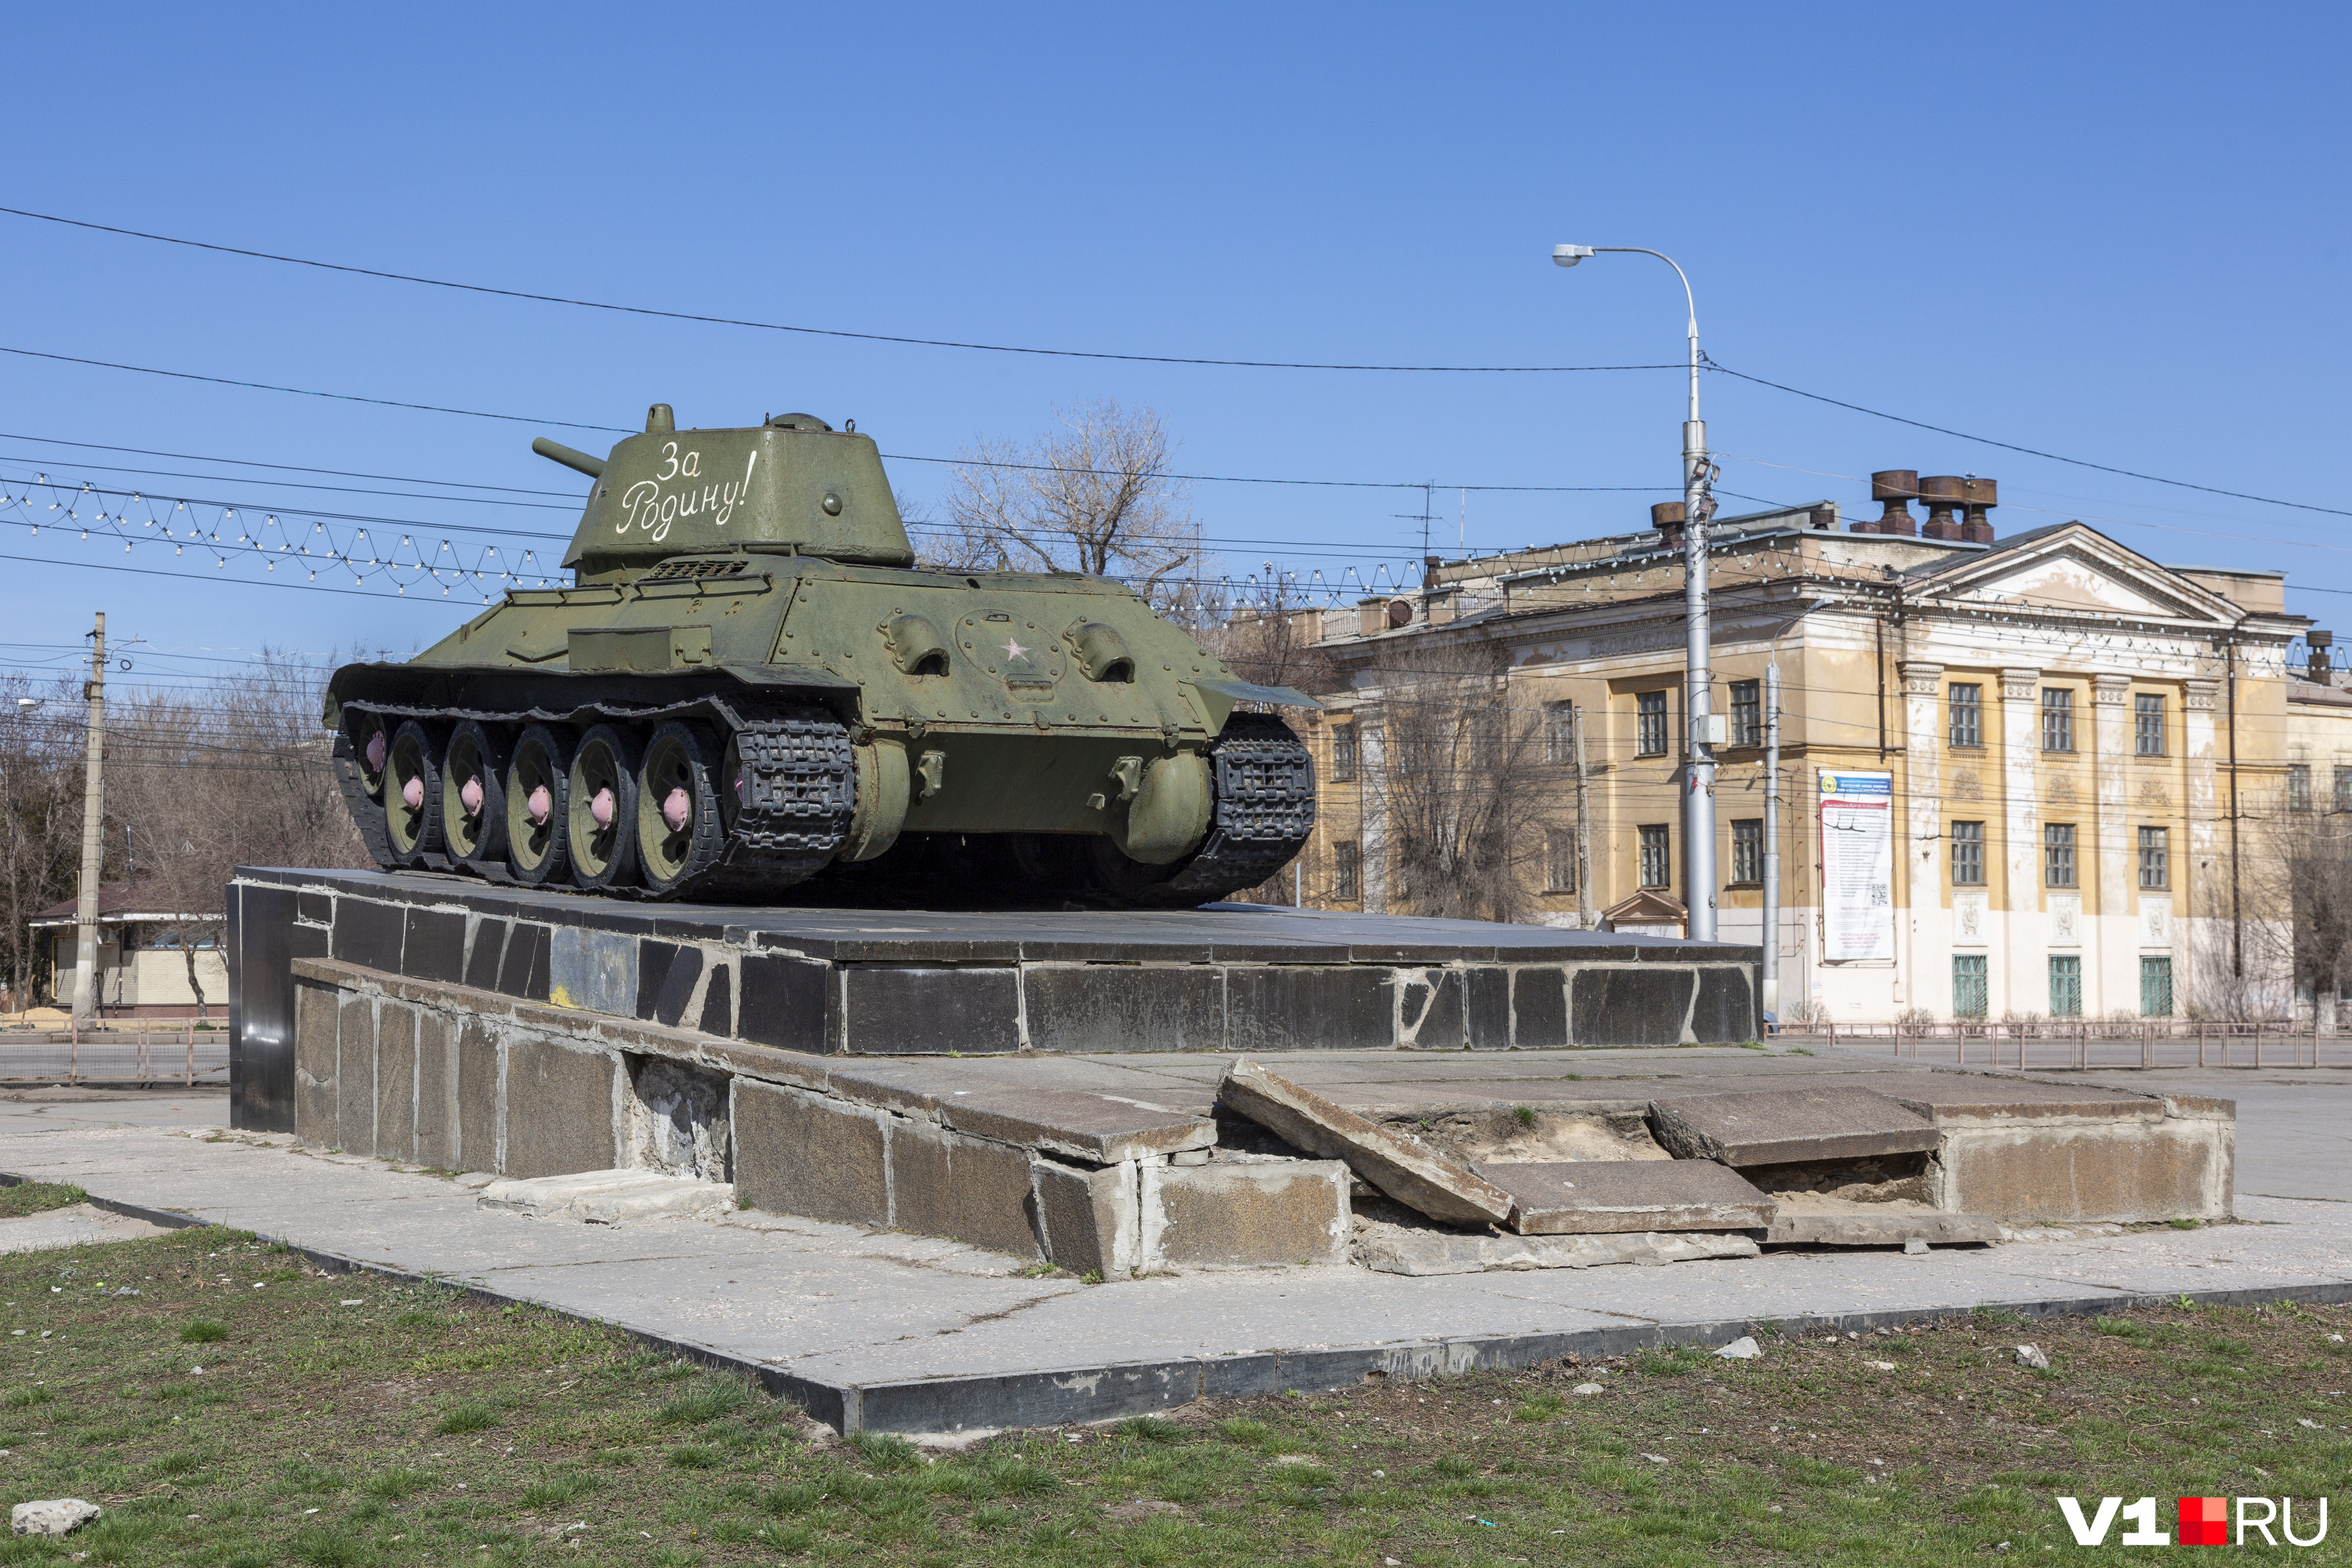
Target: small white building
x=141 y=970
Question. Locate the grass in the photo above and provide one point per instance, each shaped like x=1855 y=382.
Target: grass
x=32 y=1197
x=420 y=1427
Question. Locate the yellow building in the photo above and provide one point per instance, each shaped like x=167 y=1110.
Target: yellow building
x=2017 y=777
x=141 y=970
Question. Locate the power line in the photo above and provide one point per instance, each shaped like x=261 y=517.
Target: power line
x=2029 y=451
x=813 y=332
x=1131 y=358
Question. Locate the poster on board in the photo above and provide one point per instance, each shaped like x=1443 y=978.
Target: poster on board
x=1857 y=866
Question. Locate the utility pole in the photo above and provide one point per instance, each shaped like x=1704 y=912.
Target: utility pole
x=93 y=815
x=1584 y=916
x=1705 y=726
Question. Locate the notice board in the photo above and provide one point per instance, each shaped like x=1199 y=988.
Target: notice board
x=1857 y=866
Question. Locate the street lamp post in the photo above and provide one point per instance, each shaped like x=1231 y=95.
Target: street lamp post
x=1705 y=726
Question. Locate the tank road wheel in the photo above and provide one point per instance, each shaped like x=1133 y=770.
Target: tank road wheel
x=473 y=794
x=603 y=808
x=412 y=794
x=537 y=798
x=680 y=827
x=362 y=745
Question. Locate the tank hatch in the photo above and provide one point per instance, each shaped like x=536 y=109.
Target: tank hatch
x=793 y=481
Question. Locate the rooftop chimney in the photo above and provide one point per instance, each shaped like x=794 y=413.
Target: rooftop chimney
x=1942 y=493
x=1372 y=616
x=1979 y=497
x=1668 y=518
x=2318 y=643
x=1824 y=518
x=1896 y=488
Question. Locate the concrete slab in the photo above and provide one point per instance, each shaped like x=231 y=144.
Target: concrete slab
x=1592 y=1195
x=1828 y=1223
x=1779 y=1127
x=609 y=1197
x=76 y=1224
x=1419 y=1253
x=1404 y=1168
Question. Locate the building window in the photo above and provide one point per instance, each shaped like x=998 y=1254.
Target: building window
x=1347 y=871
x=1967 y=854
x=1747 y=712
x=2343 y=787
x=2057 y=720
x=1343 y=754
x=1560 y=860
x=1657 y=863
x=2156 y=987
x=2298 y=786
x=1748 y=851
x=1971 y=996
x=2065 y=988
x=2148 y=724
x=1650 y=724
x=2058 y=854
x=2155 y=858
x=1560 y=733
x=1968 y=715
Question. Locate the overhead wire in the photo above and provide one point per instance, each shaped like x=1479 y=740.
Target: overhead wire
x=1706 y=362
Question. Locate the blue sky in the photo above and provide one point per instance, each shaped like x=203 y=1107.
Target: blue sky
x=2110 y=232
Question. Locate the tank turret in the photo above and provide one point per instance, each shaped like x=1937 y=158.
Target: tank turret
x=748 y=687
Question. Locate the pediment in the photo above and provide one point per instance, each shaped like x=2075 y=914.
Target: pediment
x=2082 y=571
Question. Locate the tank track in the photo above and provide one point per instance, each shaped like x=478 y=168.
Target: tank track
x=1264 y=793
x=799 y=790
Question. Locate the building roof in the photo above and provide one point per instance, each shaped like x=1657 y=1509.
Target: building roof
x=119 y=903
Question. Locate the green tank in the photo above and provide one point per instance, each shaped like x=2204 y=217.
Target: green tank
x=751 y=687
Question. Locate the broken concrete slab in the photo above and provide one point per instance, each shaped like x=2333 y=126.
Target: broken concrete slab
x=610 y=1197
x=1403 y=1166
x=1587 y=1197
x=1101 y=1129
x=1418 y=1250
x=1826 y=1222
x=1785 y=1126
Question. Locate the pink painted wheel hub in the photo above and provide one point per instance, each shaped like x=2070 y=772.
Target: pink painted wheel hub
x=412 y=793
x=469 y=796
x=539 y=804
x=375 y=752
x=601 y=807
x=678 y=810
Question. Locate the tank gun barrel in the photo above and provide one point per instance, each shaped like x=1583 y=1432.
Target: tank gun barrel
x=557 y=451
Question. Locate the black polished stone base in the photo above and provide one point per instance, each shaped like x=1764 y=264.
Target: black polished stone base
x=1229 y=977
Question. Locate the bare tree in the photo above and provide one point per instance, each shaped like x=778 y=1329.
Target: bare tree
x=40 y=819
x=2298 y=891
x=1091 y=495
x=234 y=773
x=1270 y=636
x=1460 y=789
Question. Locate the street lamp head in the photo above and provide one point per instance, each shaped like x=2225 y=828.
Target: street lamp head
x=1569 y=255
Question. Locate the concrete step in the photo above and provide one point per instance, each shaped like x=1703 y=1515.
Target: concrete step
x=1587 y=1197
x=610 y=1197
x=1787 y=1126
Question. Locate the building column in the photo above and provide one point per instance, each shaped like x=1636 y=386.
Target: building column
x=2199 y=918
x=2111 y=936
x=1371 y=794
x=1919 y=893
x=2022 y=986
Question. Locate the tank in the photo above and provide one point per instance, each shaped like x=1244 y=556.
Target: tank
x=750 y=689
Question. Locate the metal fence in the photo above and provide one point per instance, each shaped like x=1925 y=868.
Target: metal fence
x=118 y=1054
x=2081 y=1044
